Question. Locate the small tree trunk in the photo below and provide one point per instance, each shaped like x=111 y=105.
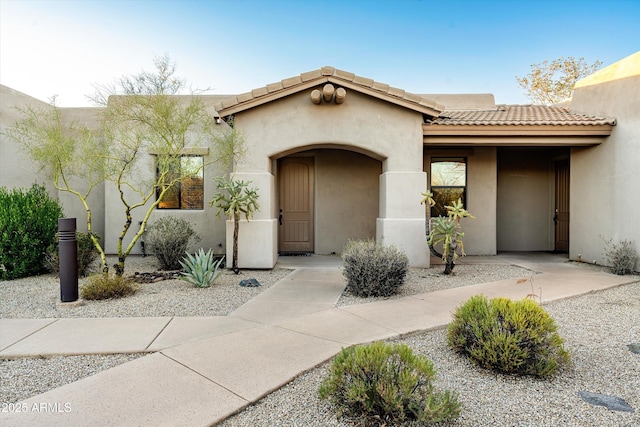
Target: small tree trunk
x=236 y=228
x=452 y=250
x=448 y=267
x=119 y=267
x=427 y=230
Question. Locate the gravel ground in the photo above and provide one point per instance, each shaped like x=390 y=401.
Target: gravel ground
x=422 y=280
x=37 y=297
x=597 y=328
x=24 y=378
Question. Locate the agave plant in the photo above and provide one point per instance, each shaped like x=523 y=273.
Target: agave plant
x=201 y=270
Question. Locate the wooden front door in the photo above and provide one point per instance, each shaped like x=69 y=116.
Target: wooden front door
x=561 y=217
x=296 y=204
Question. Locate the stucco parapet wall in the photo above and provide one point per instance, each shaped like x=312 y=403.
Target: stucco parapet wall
x=463 y=101
x=626 y=67
x=304 y=81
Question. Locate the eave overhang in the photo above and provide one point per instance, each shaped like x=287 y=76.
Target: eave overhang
x=515 y=135
x=313 y=79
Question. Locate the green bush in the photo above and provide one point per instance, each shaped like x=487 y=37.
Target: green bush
x=168 y=239
x=201 y=270
x=101 y=286
x=621 y=257
x=87 y=254
x=28 y=226
x=386 y=384
x=514 y=337
x=373 y=269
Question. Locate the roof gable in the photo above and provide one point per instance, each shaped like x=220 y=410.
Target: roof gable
x=311 y=79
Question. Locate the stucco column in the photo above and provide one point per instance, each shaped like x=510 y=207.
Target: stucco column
x=401 y=222
x=258 y=237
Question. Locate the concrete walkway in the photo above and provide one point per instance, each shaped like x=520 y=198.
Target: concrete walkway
x=203 y=369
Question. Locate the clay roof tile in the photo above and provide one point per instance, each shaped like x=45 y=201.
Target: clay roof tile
x=520 y=115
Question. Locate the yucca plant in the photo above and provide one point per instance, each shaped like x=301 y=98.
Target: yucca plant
x=201 y=270
x=235 y=198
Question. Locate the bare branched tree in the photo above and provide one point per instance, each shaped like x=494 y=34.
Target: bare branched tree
x=142 y=117
x=551 y=82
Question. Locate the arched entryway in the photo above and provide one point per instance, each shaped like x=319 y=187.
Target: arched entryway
x=326 y=196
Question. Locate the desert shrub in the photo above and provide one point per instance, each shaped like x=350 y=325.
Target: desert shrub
x=200 y=269
x=28 y=226
x=168 y=239
x=373 y=269
x=103 y=286
x=514 y=337
x=621 y=257
x=386 y=384
x=87 y=254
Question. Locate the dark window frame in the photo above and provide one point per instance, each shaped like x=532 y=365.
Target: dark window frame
x=439 y=209
x=179 y=200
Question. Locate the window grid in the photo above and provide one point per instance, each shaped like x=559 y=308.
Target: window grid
x=448 y=181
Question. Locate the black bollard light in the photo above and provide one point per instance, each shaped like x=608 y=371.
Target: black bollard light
x=68 y=249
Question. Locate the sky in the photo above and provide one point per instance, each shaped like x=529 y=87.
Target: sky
x=65 y=48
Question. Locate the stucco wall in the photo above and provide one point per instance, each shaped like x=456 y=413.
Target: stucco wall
x=205 y=222
x=16 y=169
x=480 y=233
x=525 y=200
x=378 y=129
x=73 y=207
x=605 y=188
x=382 y=131
x=347 y=194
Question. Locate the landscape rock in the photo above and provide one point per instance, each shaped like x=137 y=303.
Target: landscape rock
x=249 y=283
x=610 y=402
x=155 y=276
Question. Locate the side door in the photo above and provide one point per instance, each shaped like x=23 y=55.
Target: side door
x=561 y=217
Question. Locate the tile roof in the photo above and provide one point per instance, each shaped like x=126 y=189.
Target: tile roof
x=329 y=74
x=520 y=115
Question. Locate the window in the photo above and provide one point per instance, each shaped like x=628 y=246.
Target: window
x=188 y=192
x=448 y=182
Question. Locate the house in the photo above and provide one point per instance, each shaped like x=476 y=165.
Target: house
x=336 y=156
